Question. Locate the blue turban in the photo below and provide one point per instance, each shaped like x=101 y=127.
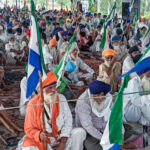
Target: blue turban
x=28 y=20
x=99 y=26
x=88 y=15
x=96 y=87
x=9 y=25
x=115 y=38
x=70 y=67
x=143 y=71
x=74 y=24
x=65 y=33
x=59 y=29
x=71 y=29
x=53 y=19
x=43 y=25
x=82 y=27
x=127 y=20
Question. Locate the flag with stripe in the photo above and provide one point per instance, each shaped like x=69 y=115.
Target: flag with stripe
x=109 y=20
x=112 y=137
x=59 y=70
x=131 y=6
x=35 y=58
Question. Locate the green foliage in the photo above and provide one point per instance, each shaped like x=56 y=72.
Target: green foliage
x=93 y=8
x=147 y=15
x=64 y=2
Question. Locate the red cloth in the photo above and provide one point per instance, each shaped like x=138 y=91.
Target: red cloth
x=82 y=41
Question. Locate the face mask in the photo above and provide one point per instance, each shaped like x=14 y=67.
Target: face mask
x=9 y=30
x=82 y=33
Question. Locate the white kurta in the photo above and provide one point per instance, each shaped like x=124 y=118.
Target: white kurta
x=128 y=64
x=81 y=65
x=136 y=107
x=11 y=55
x=23 y=99
x=48 y=58
x=64 y=124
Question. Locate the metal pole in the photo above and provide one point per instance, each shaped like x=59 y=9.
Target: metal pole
x=6 y=2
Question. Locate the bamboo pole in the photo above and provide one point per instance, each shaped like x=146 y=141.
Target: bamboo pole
x=43 y=119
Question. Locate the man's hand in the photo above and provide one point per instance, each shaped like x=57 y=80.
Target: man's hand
x=43 y=136
x=19 y=52
x=114 y=60
x=61 y=146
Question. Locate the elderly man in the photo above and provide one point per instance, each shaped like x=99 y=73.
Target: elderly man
x=13 y=52
x=92 y=113
x=136 y=106
x=128 y=63
x=64 y=37
x=58 y=122
x=120 y=49
x=73 y=56
x=110 y=70
x=53 y=50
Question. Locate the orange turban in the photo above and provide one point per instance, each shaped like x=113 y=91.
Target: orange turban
x=15 y=23
x=42 y=21
x=51 y=78
x=108 y=52
x=56 y=16
x=53 y=42
x=74 y=19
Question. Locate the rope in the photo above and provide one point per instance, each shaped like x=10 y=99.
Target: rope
x=74 y=100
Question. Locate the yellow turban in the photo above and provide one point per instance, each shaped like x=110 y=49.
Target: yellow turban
x=108 y=52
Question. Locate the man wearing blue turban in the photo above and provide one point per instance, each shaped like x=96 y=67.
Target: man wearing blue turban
x=93 y=109
x=92 y=112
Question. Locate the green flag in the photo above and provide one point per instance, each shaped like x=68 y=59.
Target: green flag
x=135 y=18
x=59 y=70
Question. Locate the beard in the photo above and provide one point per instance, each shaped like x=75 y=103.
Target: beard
x=50 y=98
x=107 y=63
x=73 y=57
x=12 y=43
x=116 y=48
x=146 y=83
x=68 y=25
x=98 y=105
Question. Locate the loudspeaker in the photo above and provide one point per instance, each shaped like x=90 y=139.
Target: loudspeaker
x=125 y=6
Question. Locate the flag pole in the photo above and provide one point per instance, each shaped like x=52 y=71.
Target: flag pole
x=43 y=119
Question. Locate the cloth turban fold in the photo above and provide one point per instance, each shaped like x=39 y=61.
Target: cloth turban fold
x=96 y=87
x=108 y=52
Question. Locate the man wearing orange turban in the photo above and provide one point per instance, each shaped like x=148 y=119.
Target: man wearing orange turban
x=53 y=47
x=110 y=70
x=58 y=121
